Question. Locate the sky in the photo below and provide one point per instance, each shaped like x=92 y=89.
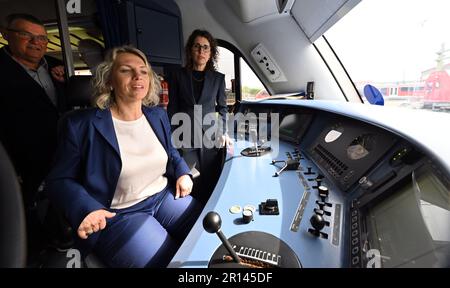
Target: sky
x=391 y=40
x=226 y=64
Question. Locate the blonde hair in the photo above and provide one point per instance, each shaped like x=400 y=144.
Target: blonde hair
x=103 y=94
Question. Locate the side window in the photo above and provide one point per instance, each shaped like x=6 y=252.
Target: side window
x=86 y=43
x=241 y=83
x=252 y=88
x=225 y=63
x=88 y=57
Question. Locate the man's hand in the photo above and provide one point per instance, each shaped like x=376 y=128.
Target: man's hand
x=94 y=222
x=183 y=186
x=58 y=73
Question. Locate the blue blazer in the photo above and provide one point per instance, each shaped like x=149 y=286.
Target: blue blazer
x=88 y=164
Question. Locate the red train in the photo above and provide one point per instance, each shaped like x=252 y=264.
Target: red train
x=433 y=92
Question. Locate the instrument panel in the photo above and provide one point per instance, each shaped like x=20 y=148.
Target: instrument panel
x=335 y=182
x=346 y=149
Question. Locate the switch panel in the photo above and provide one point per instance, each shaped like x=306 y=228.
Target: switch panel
x=267 y=64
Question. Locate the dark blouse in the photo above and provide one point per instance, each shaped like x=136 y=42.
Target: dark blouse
x=198 y=78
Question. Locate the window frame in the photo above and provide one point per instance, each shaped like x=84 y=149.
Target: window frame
x=237 y=68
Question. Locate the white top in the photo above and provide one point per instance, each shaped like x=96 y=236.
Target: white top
x=144 y=162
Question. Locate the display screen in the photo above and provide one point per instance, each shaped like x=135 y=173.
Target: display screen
x=411 y=227
x=293 y=126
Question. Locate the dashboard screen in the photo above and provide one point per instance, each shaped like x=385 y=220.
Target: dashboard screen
x=411 y=227
x=293 y=126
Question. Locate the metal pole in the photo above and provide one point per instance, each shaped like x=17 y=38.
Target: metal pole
x=63 y=28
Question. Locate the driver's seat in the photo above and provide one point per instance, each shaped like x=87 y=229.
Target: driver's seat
x=13 y=239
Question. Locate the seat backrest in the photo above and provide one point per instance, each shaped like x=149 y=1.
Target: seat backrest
x=79 y=93
x=91 y=52
x=12 y=216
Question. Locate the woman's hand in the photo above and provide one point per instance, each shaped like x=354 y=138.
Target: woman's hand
x=225 y=140
x=183 y=186
x=94 y=222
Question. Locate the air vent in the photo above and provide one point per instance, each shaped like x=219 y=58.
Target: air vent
x=336 y=167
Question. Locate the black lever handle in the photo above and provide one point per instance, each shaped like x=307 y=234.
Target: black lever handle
x=212 y=223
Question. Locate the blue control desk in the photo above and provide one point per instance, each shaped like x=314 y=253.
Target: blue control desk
x=250 y=181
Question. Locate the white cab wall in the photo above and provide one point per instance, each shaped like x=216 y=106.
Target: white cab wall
x=281 y=36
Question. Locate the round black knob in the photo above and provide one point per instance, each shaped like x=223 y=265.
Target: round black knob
x=212 y=222
x=317 y=222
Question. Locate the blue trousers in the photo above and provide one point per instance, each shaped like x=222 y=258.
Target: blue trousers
x=149 y=233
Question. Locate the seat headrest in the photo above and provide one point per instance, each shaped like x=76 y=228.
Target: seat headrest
x=79 y=91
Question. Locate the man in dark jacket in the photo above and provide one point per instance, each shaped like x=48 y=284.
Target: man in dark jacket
x=30 y=102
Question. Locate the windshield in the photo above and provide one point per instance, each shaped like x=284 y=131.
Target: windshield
x=400 y=47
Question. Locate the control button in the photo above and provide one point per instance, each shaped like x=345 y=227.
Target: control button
x=250 y=207
x=247 y=216
x=354 y=219
x=355 y=260
x=318 y=211
x=354 y=226
x=355 y=241
x=355 y=233
x=235 y=209
x=355 y=250
x=322 y=203
x=323 y=191
x=355 y=212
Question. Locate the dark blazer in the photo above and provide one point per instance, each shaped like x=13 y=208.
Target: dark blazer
x=88 y=164
x=27 y=122
x=181 y=96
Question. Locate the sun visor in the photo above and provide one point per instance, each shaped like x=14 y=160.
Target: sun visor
x=316 y=17
x=251 y=10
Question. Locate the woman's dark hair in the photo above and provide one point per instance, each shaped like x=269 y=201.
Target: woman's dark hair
x=214 y=52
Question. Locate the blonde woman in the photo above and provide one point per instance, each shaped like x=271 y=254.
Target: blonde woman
x=118 y=179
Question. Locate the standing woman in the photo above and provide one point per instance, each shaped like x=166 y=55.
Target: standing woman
x=117 y=178
x=197 y=85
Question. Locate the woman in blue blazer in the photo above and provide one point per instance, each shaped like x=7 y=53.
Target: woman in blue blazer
x=116 y=168
x=198 y=86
